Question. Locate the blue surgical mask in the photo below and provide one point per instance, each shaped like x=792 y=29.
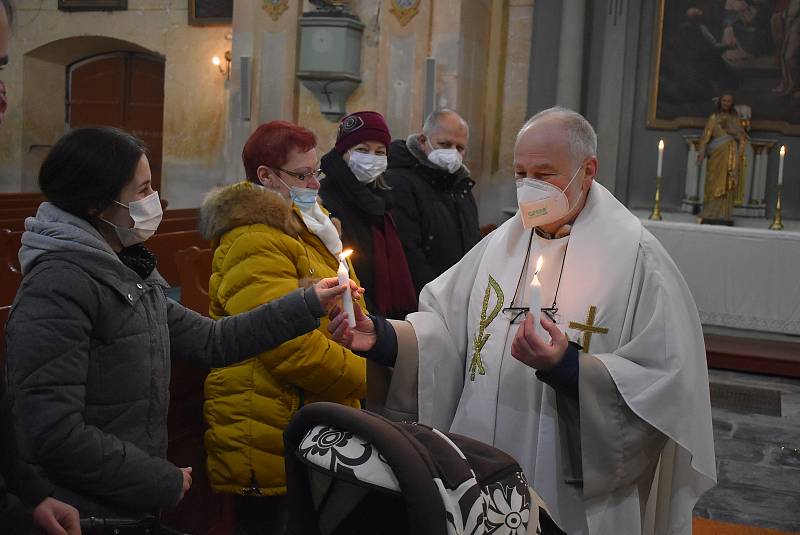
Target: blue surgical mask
x=303 y=198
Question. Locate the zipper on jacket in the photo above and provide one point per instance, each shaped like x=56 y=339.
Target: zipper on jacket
x=253 y=489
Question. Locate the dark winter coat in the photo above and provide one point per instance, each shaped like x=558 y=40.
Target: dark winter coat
x=89 y=344
x=21 y=488
x=435 y=211
x=357 y=206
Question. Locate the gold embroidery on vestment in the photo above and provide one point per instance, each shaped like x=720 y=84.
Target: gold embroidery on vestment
x=476 y=365
x=588 y=328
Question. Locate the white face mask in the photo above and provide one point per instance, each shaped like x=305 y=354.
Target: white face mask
x=146 y=214
x=449 y=159
x=367 y=167
x=540 y=202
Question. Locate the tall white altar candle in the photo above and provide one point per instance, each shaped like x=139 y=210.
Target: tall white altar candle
x=343 y=274
x=660 y=156
x=780 y=165
x=536 y=299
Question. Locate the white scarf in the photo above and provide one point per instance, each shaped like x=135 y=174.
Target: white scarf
x=320 y=224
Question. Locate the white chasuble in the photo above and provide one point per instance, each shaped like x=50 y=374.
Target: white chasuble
x=623 y=300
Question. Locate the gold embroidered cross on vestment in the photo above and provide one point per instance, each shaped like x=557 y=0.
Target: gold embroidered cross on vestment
x=588 y=328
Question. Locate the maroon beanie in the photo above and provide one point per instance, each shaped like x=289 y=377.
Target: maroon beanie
x=360 y=127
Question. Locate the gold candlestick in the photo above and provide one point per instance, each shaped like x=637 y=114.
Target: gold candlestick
x=777 y=223
x=656 y=214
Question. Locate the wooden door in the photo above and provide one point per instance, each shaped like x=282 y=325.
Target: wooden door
x=124 y=90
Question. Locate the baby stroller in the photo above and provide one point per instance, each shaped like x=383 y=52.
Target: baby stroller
x=353 y=472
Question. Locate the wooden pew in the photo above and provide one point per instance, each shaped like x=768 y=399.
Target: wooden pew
x=4 y=312
x=10 y=272
x=182 y=213
x=194 y=271
x=177 y=224
x=201 y=511
x=12 y=224
x=164 y=246
x=18 y=212
x=19 y=203
x=21 y=196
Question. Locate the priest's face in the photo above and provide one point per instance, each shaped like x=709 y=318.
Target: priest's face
x=543 y=152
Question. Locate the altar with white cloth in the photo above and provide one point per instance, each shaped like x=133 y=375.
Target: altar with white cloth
x=741 y=277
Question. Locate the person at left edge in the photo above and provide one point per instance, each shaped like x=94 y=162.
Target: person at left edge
x=91 y=332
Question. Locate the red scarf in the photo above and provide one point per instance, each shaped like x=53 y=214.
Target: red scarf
x=394 y=292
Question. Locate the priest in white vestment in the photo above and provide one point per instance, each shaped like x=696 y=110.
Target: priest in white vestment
x=606 y=407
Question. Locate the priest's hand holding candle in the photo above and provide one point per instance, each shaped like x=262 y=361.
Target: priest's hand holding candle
x=344 y=279
x=536 y=299
x=532 y=346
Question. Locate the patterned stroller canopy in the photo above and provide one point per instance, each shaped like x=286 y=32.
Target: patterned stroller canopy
x=352 y=472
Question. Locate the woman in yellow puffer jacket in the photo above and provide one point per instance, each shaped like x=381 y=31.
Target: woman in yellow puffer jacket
x=270 y=236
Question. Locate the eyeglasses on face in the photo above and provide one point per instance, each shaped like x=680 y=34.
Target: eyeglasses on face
x=318 y=174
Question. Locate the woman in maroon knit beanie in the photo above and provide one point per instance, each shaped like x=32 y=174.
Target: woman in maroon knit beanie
x=354 y=191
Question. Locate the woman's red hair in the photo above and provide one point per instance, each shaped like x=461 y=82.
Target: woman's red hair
x=271 y=144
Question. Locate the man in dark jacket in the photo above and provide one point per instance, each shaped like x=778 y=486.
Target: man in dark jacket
x=24 y=496
x=436 y=214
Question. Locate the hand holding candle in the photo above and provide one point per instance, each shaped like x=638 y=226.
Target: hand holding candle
x=660 y=156
x=343 y=275
x=780 y=165
x=536 y=299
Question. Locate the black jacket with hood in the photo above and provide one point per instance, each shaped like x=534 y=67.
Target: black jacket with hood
x=435 y=211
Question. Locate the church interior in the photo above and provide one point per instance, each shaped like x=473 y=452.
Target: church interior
x=194 y=79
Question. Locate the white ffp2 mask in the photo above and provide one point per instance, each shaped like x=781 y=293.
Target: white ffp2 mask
x=540 y=202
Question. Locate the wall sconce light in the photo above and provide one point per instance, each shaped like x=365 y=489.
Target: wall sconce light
x=225 y=71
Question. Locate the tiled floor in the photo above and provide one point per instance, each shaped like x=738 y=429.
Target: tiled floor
x=758 y=459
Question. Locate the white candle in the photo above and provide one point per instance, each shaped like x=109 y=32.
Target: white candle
x=780 y=165
x=660 y=156
x=344 y=278
x=536 y=298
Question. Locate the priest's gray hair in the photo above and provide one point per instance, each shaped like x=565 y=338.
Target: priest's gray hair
x=434 y=118
x=580 y=134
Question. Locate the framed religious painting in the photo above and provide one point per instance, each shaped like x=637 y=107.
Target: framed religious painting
x=702 y=48
x=210 y=12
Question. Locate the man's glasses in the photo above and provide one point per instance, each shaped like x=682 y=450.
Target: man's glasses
x=517 y=314
x=318 y=174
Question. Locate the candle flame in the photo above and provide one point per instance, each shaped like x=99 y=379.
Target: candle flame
x=661 y=144
x=345 y=254
x=216 y=61
x=783 y=151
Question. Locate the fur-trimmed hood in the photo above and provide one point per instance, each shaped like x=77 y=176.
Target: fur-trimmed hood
x=245 y=203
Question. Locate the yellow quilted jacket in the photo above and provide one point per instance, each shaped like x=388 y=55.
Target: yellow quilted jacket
x=263 y=250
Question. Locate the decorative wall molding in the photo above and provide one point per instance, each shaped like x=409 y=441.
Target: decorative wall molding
x=404 y=10
x=275 y=8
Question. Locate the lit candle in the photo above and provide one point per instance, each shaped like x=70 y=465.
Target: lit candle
x=536 y=298
x=344 y=278
x=780 y=165
x=660 y=156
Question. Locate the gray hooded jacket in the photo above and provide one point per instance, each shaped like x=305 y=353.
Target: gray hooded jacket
x=89 y=345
